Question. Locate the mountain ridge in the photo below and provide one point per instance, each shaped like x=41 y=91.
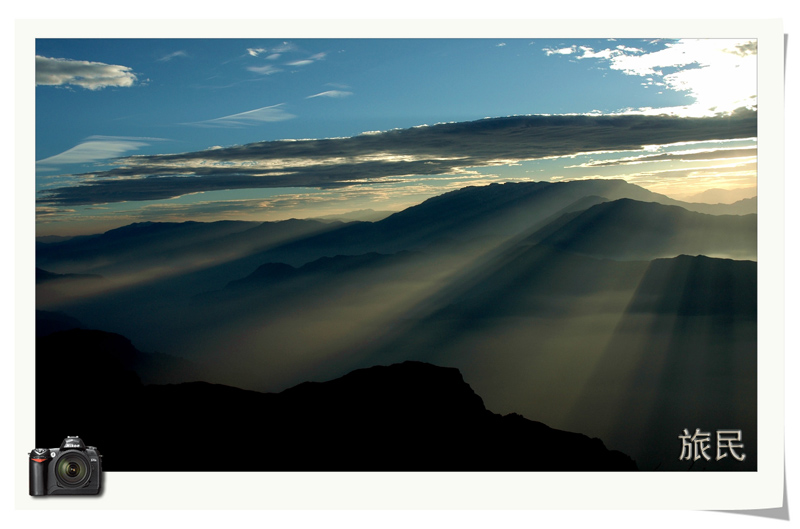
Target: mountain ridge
x=411 y=416
x=630 y=229
x=472 y=212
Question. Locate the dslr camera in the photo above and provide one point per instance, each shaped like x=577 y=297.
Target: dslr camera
x=74 y=468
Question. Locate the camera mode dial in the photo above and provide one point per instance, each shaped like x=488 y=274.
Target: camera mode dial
x=40 y=455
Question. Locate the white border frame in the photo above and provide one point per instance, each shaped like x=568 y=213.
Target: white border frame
x=651 y=490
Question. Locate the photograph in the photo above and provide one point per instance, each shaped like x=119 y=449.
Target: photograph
x=435 y=254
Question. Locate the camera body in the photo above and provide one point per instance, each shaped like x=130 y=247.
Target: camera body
x=73 y=468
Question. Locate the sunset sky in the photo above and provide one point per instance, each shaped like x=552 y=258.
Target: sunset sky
x=131 y=130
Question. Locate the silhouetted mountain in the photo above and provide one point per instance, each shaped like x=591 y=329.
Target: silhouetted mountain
x=684 y=352
x=362 y=215
x=164 y=244
x=106 y=350
x=629 y=229
x=44 y=276
x=329 y=267
x=707 y=286
x=628 y=351
x=723 y=196
x=227 y=250
x=495 y=212
x=48 y=322
x=543 y=295
x=266 y=273
x=746 y=206
x=47 y=239
x=406 y=417
x=554 y=222
x=53 y=289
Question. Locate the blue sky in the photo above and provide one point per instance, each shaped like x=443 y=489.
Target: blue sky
x=101 y=101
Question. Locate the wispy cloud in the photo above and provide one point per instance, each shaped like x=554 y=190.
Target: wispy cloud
x=173 y=55
x=86 y=74
x=251 y=117
x=682 y=156
x=274 y=51
x=284 y=47
x=94 y=149
x=442 y=149
x=332 y=93
x=255 y=52
x=746 y=168
x=310 y=60
x=266 y=69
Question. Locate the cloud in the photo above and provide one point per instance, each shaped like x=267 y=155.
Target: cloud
x=442 y=149
x=631 y=50
x=89 y=75
x=173 y=55
x=332 y=93
x=96 y=148
x=305 y=62
x=284 y=47
x=267 y=69
x=743 y=50
x=251 y=117
x=719 y=74
x=737 y=169
x=683 y=156
x=560 y=51
x=255 y=52
x=274 y=51
x=286 y=205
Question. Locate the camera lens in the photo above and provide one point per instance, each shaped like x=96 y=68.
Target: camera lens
x=72 y=469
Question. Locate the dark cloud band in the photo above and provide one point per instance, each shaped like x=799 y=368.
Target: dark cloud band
x=426 y=150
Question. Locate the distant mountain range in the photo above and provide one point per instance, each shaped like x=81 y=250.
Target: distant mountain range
x=724 y=196
x=43 y=276
x=497 y=210
x=628 y=230
x=361 y=215
x=594 y=306
x=274 y=273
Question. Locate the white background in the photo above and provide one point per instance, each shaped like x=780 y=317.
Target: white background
x=148 y=9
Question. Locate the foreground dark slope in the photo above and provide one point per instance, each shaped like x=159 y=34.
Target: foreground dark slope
x=683 y=355
x=405 y=417
x=626 y=351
